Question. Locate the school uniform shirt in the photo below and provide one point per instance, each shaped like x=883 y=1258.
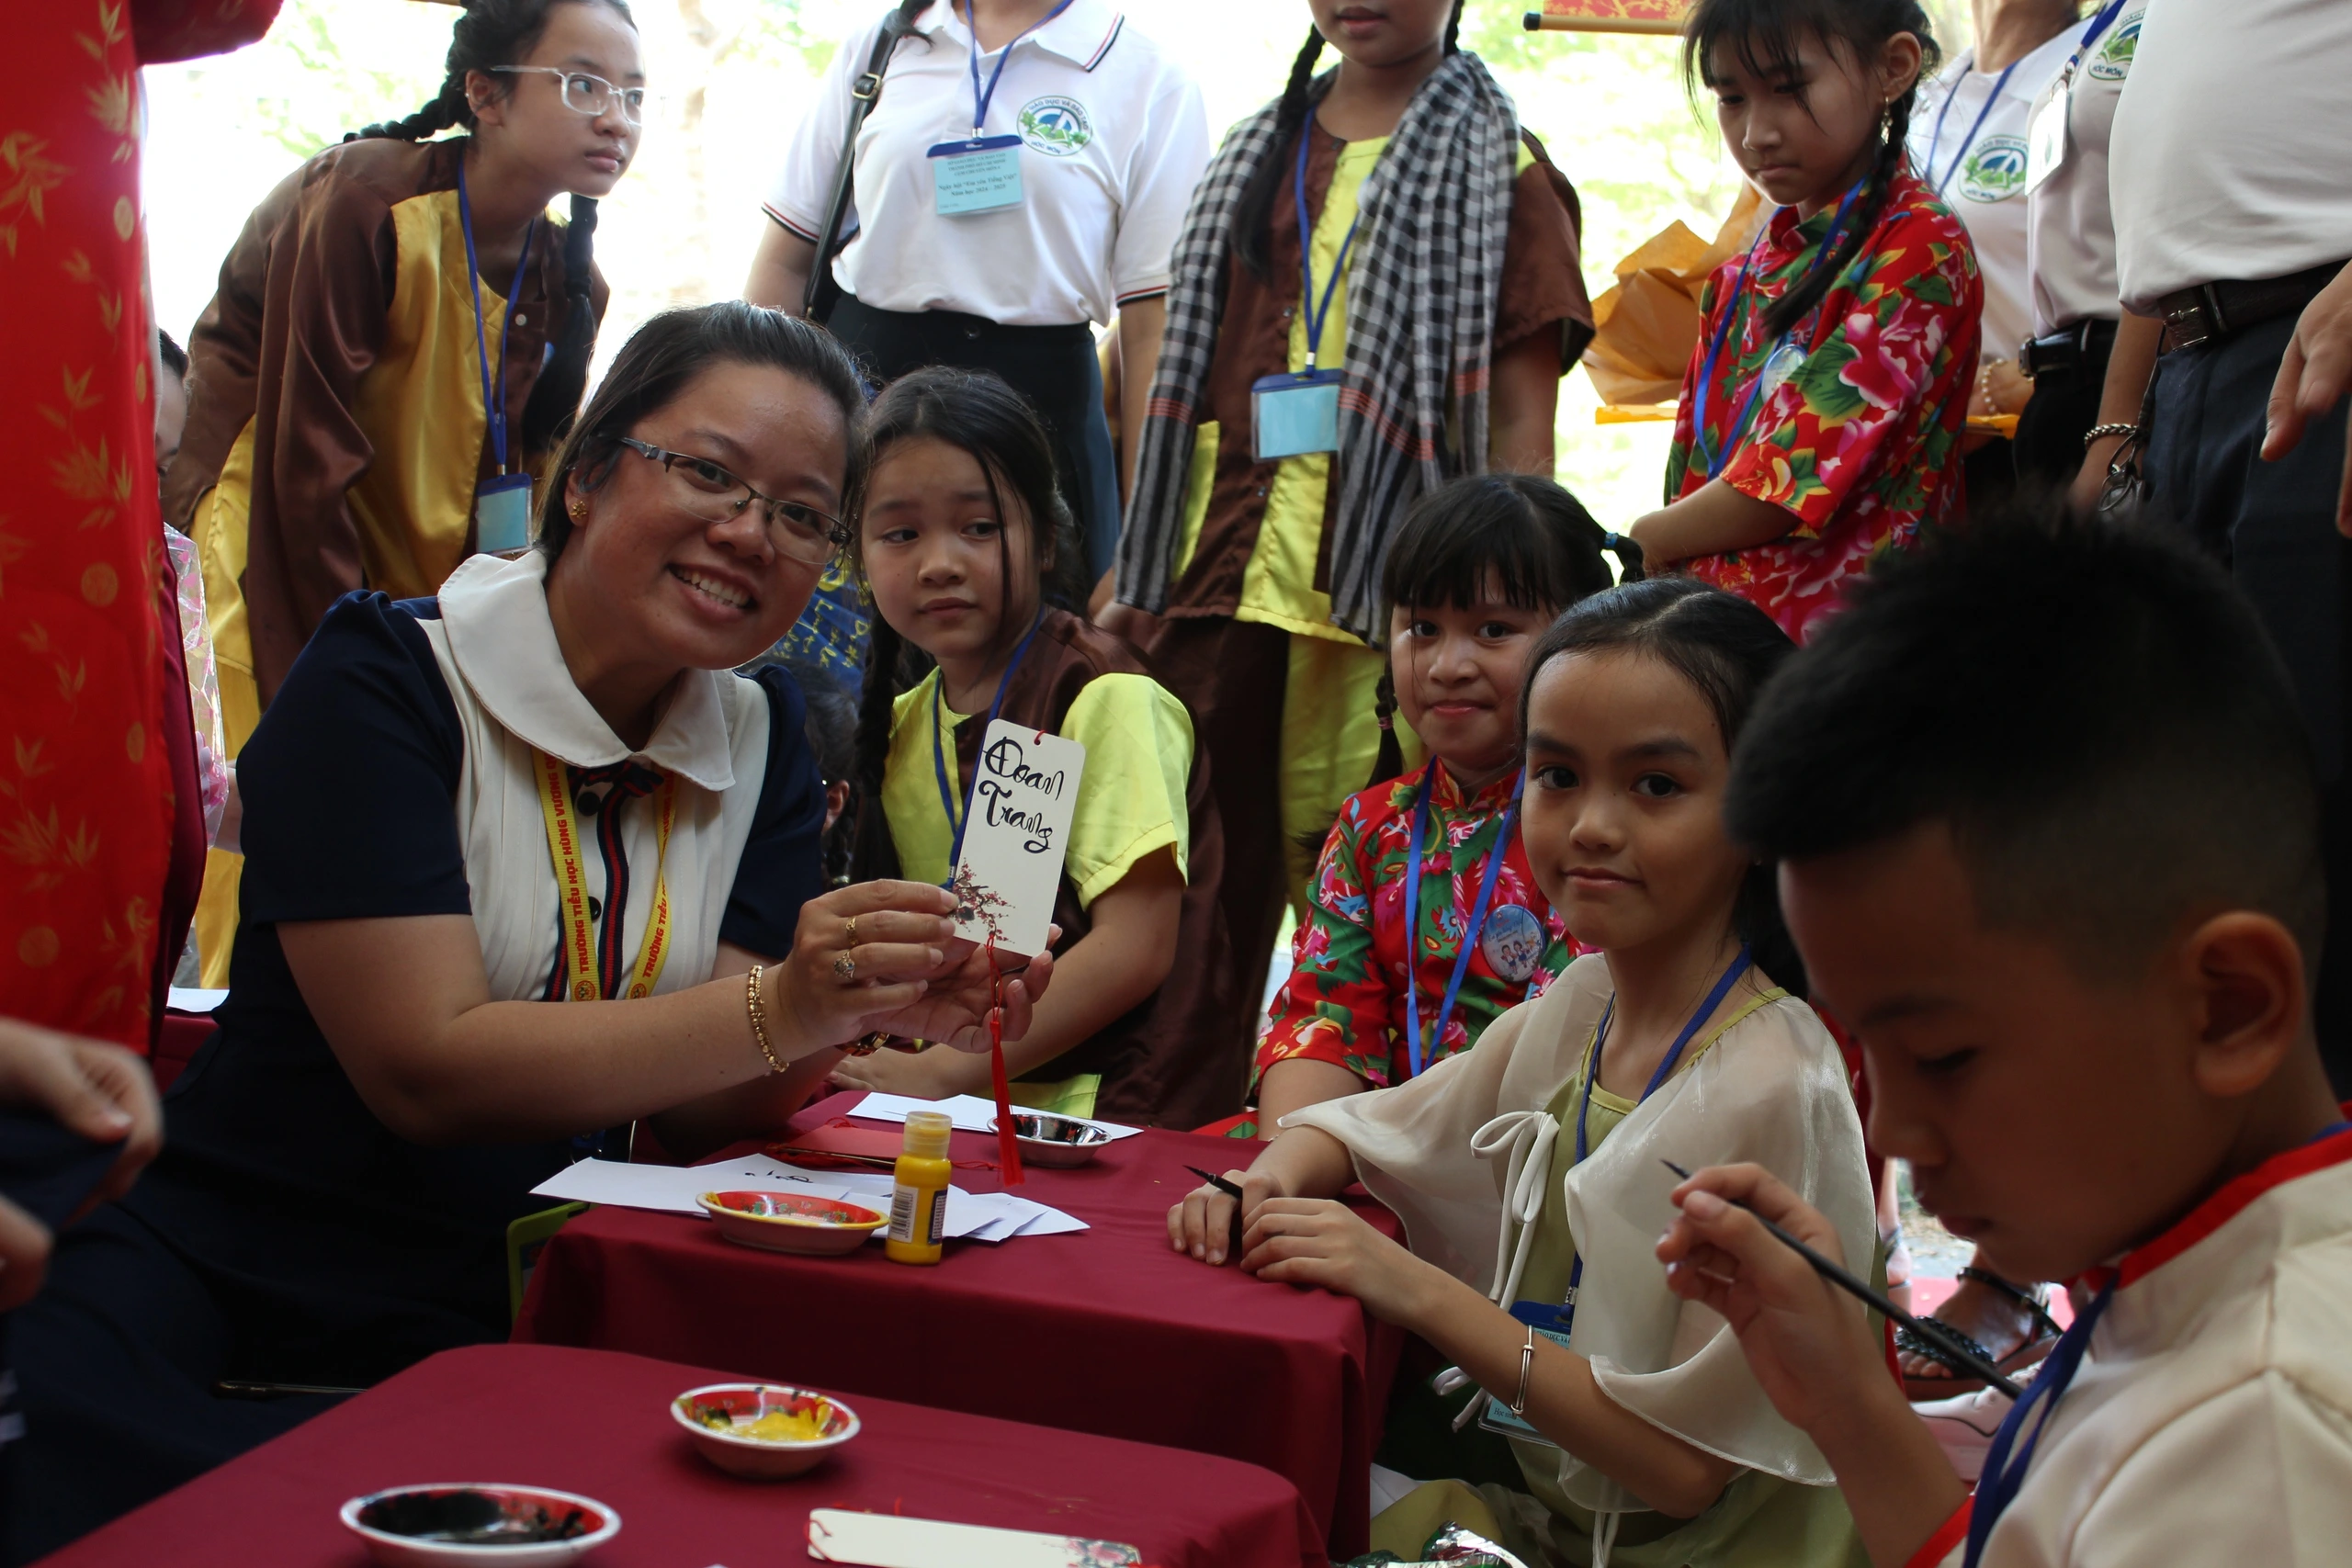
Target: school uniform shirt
x=1145 y=789
x=1255 y=546
x=2069 y=225
x=336 y=430
x=1983 y=179
x=1477 y=1157
x=395 y=776
x=1344 y=1001
x=1113 y=139
x=1855 y=427
x=2212 y=1420
x=2227 y=163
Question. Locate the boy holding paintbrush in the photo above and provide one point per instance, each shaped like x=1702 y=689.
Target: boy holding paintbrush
x=2048 y=832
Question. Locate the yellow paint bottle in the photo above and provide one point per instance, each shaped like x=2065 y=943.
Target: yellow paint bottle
x=919 y=1206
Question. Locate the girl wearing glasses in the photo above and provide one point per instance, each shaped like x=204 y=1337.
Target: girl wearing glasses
x=423 y=1025
x=400 y=335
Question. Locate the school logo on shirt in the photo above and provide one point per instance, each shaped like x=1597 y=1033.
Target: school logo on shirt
x=2113 y=61
x=1995 y=170
x=1057 y=126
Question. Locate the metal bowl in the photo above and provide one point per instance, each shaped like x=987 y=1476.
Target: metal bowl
x=1055 y=1141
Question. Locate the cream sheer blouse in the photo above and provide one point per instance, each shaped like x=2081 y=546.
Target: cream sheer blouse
x=1463 y=1154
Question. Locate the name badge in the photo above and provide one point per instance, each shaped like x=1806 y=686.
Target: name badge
x=1296 y=413
x=981 y=174
x=2046 y=139
x=502 y=514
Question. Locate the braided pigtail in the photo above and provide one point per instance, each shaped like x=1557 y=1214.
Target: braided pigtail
x=555 y=396
x=1254 y=213
x=446 y=110
x=1390 y=762
x=1794 y=306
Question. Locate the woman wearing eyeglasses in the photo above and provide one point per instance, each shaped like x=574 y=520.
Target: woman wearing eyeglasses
x=399 y=337
x=526 y=862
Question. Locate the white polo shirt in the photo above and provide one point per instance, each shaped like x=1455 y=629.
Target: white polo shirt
x=2232 y=145
x=2070 y=226
x=1982 y=178
x=1114 y=139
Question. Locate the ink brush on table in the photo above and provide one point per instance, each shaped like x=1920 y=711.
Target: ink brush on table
x=1927 y=1328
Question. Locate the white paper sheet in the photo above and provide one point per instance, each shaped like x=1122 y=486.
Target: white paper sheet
x=973 y=1216
x=893 y=1540
x=968 y=1111
x=192 y=999
x=675 y=1188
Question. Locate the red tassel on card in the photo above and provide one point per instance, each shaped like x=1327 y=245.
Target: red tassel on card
x=1007 y=1142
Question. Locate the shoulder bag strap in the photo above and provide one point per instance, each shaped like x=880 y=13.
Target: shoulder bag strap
x=816 y=301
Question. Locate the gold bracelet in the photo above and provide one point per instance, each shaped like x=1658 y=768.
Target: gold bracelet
x=753 y=1005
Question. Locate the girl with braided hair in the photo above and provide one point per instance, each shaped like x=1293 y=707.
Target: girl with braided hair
x=1821 y=414
x=1480 y=567
x=1376 y=291
x=342 y=432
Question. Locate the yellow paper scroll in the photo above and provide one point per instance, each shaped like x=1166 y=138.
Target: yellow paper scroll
x=1647 y=325
x=1609 y=17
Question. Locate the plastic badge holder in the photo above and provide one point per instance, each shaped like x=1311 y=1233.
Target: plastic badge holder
x=502 y=514
x=981 y=174
x=1296 y=413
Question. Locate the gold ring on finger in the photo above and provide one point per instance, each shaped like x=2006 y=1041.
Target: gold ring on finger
x=845 y=967
x=849 y=933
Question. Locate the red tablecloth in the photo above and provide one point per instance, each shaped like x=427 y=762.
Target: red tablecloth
x=592 y=1422
x=1105 y=1330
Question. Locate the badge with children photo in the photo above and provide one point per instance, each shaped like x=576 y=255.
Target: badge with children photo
x=1010 y=864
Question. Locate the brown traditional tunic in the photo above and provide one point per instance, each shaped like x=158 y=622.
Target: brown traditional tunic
x=1178 y=1058
x=336 y=430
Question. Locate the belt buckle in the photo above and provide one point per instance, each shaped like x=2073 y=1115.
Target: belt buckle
x=2195 y=322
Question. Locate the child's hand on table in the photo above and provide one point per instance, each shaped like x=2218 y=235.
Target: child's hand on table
x=1321 y=1241
x=1808 y=1343
x=1203 y=1224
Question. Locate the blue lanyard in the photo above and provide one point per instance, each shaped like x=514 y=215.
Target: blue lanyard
x=2099 y=24
x=1982 y=114
x=939 y=753
x=981 y=98
x=1716 y=454
x=1998 y=1486
x=1666 y=1067
x=491 y=402
x=1315 y=312
x=1470 y=932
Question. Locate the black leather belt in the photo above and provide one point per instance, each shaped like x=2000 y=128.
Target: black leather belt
x=2083 y=346
x=2211 y=311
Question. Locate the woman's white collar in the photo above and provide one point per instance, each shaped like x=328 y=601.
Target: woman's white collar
x=503 y=644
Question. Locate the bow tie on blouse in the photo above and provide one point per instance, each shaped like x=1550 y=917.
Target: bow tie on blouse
x=593 y=789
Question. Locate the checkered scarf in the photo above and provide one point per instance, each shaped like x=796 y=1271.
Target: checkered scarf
x=1428 y=270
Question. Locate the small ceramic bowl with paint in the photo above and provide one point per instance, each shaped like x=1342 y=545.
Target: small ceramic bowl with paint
x=1055 y=1141
x=791 y=1222
x=763 y=1431
x=450 y=1523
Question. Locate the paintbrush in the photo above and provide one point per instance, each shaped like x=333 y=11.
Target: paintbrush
x=1233 y=1245
x=1927 y=1328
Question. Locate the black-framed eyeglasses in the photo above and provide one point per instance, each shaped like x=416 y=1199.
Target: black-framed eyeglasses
x=702 y=488
x=586 y=93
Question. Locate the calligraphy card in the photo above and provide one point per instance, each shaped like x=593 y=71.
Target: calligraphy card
x=1015 y=837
